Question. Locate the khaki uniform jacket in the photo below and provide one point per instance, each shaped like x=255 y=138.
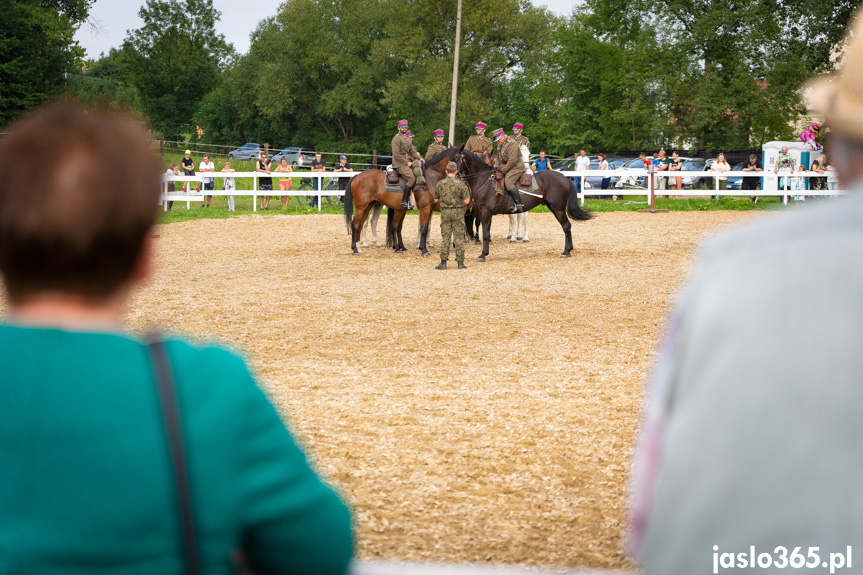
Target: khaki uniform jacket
x=433 y=150
x=521 y=140
x=403 y=152
x=511 y=162
x=479 y=145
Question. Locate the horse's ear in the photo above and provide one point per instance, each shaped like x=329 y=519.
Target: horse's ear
x=460 y=146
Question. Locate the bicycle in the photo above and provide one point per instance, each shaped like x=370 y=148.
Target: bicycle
x=330 y=184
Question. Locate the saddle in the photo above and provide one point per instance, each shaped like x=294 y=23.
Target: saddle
x=526 y=183
x=394 y=182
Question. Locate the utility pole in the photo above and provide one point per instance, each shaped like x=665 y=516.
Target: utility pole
x=455 y=77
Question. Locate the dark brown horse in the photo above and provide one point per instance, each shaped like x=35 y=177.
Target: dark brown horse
x=555 y=191
x=368 y=189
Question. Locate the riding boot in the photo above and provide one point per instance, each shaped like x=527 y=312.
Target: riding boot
x=441 y=266
x=517 y=205
x=406 y=196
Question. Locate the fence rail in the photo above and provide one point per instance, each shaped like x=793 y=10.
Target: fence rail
x=770 y=179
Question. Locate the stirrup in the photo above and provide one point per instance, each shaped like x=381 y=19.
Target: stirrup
x=516 y=208
x=407 y=206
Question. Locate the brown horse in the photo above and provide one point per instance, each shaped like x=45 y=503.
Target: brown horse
x=368 y=189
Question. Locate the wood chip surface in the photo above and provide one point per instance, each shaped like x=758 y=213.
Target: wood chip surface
x=484 y=415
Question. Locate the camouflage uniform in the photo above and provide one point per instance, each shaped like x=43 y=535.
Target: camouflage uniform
x=403 y=152
x=452 y=193
x=479 y=145
x=511 y=163
x=433 y=150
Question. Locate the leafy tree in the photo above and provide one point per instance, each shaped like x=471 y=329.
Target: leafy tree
x=36 y=49
x=102 y=82
x=175 y=59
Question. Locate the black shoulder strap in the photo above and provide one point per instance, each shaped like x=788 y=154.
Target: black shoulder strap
x=173 y=429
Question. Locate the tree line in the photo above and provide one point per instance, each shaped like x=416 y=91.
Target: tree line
x=614 y=75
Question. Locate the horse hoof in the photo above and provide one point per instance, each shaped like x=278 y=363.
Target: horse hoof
x=480 y=259
x=512 y=241
x=426 y=254
x=356 y=253
x=526 y=241
x=477 y=242
x=565 y=255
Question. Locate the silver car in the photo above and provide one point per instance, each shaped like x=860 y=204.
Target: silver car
x=296 y=157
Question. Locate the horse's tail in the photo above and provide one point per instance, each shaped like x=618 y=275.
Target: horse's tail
x=391 y=228
x=349 y=205
x=572 y=208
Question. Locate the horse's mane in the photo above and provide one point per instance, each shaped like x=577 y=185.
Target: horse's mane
x=475 y=158
x=441 y=155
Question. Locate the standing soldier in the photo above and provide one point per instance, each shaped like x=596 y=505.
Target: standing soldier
x=435 y=147
x=453 y=197
x=511 y=165
x=403 y=155
x=522 y=141
x=479 y=144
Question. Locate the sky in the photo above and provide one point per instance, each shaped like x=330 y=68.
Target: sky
x=112 y=18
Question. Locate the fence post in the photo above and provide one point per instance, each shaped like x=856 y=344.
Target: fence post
x=374 y=158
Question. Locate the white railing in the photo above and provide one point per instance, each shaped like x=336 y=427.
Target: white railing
x=198 y=179
x=771 y=185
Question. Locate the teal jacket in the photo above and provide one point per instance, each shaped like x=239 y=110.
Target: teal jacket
x=86 y=484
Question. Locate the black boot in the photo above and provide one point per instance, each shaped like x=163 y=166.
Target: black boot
x=406 y=197
x=516 y=199
x=441 y=266
x=461 y=266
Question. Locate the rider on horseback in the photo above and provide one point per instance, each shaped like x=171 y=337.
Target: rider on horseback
x=479 y=144
x=404 y=153
x=511 y=164
x=435 y=147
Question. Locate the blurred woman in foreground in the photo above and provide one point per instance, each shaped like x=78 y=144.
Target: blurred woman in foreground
x=120 y=456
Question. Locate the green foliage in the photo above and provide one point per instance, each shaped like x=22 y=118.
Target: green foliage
x=175 y=59
x=103 y=83
x=36 y=49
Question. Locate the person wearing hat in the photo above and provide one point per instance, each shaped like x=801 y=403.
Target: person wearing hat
x=435 y=147
x=188 y=169
x=343 y=166
x=748 y=451
x=523 y=145
x=404 y=153
x=479 y=144
x=511 y=164
x=453 y=196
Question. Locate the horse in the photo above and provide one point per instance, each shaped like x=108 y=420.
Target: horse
x=555 y=191
x=518 y=227
x=367 y=190
x=373 y=223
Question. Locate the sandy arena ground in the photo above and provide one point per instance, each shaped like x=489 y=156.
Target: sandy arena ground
x=484 y=415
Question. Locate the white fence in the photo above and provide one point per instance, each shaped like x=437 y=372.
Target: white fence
x=772 y=184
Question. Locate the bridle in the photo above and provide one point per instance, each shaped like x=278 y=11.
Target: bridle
x=463 y=175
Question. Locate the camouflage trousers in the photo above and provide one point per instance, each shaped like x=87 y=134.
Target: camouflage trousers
x=452 y=231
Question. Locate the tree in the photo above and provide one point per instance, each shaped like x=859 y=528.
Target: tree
x=174 y=60
x=37 y=48
x=102 y=82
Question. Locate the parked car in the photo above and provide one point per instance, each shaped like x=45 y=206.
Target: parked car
x=697 y=165
x=632 y=182
x=613 y=164
x=250 y=151
x=296 y=157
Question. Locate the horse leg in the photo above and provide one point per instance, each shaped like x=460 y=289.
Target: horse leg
x=423 y=230
x=514 y=221
x=560 y=213
x=486 y=235
x=478 y=222
x=357 y=227
x=400 y=220
x=376 y=215
x=523 y=217
x=364 y=233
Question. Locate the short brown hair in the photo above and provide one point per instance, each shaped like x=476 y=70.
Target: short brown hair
x=78 y=194
x=451 y=168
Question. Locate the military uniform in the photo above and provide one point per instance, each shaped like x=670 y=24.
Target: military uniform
x=511 y=163
x=434 y=149
x=521 y=140
x=479 y=145
x=452 y=193
x=403 y=152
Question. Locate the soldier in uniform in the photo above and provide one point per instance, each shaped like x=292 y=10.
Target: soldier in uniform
x=453 y=196
x=479 y=144
x=404 y=153
x=435 y=147
x=511 y=164
x=521 y=140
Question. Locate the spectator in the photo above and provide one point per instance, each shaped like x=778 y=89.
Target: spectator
x=832 y=178
x=229 y=184
x=284 y=183
x=647 y=162
x=173 y=170
x=188 y=170
x=582 y=163
x=751 y=183
x=735 y=426
x=603 y=165
x=207 y=166
x=344 y=166
x=318 y=165
x=721 y=166
x=662 y=165
x=265 y=182
x=542 y=163
x=87 y=484
x=818 y=166
x=785 y=164
x=675 y=165
x=800 y=185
